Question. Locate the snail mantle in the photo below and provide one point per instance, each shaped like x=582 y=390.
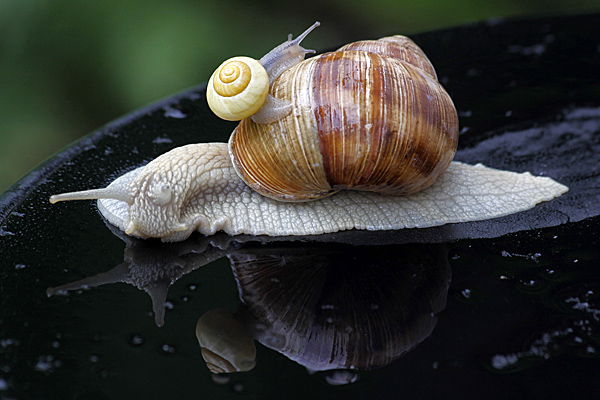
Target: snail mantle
x=360 y=138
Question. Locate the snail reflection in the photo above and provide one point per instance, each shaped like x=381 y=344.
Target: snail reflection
x=324 y=305
x=328 y=306
x=153 y=267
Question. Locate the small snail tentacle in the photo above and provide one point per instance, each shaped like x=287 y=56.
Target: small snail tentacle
x=286 y=55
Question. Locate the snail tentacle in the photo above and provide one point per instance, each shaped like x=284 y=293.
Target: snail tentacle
x=286 y=55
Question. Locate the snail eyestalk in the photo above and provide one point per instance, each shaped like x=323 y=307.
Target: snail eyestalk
x=93 y=194
x=286 y=55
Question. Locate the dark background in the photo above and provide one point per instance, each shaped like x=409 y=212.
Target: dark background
x=67 y=67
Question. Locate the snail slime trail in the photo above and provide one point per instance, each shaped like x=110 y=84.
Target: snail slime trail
x=359 y=138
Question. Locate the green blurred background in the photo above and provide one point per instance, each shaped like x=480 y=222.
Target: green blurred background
x=69 y=66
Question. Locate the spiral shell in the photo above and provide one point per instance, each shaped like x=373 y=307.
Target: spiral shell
x=367 y=117
x=238 y=88
x=224 y=342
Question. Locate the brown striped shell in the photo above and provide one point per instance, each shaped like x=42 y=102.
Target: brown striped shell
x=370 y=116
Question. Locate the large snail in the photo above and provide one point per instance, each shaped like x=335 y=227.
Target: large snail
x=370 y=117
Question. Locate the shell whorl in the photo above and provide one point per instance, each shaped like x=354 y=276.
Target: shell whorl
x=238 y=88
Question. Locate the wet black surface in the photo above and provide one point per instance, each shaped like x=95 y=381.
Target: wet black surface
x=515 y=301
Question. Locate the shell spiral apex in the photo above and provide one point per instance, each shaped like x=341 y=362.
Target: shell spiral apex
x=238 y=88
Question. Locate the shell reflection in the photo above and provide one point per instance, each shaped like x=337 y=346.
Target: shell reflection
x=339 y=307
x=225 y=344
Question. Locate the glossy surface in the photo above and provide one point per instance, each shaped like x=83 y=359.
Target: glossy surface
x=522 y=309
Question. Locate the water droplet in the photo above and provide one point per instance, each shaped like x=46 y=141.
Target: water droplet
x=169 y=349
x=94 y=358
x=530 y=284
x=238 y=387
x=185 y=298
x=177 y=111
x=220 y=379
x=20 y=266
x=3 y=384
x=47 y=364
x=162 y=140
x=8 y=342
x=136 y=340
x=466 y=293
x=169 y=305
x=192 y=287
x=342 y=377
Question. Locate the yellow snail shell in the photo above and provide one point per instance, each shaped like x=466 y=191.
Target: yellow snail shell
x=238 y=88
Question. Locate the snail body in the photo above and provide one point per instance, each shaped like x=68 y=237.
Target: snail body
x=370 y=117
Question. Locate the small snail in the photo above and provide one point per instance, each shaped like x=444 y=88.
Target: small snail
x=370 y=117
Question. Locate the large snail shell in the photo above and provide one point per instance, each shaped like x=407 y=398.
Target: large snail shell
x=363 y=119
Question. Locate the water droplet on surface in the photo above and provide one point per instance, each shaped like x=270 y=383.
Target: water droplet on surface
x=168 y=349
x=47 y=364
x=94 y=358
x=238 y=387
x=136 y=340
x=177 y=111
x=220 y=379
x=162 y=140
x=192 y=287
x=530 y=284
x=342 y=377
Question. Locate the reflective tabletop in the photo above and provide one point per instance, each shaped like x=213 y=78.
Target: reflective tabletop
x=505 y=308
